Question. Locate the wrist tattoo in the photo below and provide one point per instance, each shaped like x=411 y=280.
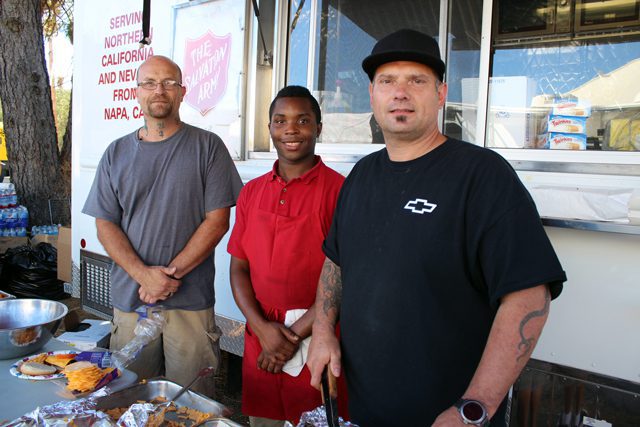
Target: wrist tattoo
x=525 y=346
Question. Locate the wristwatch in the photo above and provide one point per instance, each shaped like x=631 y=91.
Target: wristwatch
x=473 y=412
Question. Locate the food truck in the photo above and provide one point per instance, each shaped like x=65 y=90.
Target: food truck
x=551 y=85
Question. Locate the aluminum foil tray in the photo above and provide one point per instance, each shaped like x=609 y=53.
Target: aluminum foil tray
x=154 y=388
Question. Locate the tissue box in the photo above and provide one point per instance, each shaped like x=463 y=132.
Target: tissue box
x=95 y=336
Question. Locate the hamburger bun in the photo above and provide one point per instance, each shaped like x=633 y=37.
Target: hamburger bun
x=78 y=366
x=35 y=368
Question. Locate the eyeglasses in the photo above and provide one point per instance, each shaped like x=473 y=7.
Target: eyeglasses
x=166 y=84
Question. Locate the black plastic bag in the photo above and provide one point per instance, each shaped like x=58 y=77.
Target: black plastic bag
x=32 y=272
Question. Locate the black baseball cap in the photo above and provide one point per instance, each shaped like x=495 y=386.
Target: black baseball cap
x=405 y=45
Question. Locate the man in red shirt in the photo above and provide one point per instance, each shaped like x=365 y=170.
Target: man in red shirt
x=282 y=219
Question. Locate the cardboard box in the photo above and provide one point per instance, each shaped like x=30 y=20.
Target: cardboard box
x=571 y=107
x=52 y=239
x=95 y=336
x=567 y=124
x=567 y=141
x=64 y=254
x=12 y=242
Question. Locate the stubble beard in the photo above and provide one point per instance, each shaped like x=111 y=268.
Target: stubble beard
x=160 y=112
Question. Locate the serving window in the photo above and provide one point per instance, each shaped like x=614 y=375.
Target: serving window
x=569 y=89
x=328 y=39
x=577 y=94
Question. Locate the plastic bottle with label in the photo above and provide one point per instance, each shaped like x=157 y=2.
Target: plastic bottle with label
x=12 y=197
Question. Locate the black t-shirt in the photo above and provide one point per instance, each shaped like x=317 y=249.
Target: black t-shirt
x=427 y=248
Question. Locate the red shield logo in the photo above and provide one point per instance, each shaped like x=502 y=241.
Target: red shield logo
x=206 y=70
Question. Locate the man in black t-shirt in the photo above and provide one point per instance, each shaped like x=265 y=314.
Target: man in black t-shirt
x=437 y=266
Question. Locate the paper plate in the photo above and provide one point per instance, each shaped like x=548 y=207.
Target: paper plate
x=15 y=371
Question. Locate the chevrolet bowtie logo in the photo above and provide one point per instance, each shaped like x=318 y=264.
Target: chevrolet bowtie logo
x=420 y=206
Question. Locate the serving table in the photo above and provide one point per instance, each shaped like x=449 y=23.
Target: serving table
x=19 y=396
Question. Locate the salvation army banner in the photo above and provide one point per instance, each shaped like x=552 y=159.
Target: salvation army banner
x=208 y=46
x=206 y=70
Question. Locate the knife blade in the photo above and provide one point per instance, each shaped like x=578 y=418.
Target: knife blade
x=330 y=397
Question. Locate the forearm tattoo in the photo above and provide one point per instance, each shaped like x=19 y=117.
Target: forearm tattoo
x=331 y=282
x=526 y=344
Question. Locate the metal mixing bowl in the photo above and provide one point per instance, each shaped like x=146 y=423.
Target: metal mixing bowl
x=26 y=325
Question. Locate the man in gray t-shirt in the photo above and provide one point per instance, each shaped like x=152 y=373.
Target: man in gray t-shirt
x=161 y=198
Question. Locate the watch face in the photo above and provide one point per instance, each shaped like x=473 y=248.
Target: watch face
x=473 y=411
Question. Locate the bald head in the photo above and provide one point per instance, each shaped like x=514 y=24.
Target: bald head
x=161 y=100
x=160 y=61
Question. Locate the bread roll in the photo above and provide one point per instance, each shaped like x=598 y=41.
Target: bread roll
x=78 y=366
x=35 y=368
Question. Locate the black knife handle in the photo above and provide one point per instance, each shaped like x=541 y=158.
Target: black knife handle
x=329 y=395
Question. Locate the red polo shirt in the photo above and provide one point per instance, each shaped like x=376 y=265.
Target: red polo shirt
x=279 y=229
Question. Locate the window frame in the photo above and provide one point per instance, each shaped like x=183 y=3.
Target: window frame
x=575 y=162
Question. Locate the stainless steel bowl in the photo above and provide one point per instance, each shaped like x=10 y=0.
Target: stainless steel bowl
x=26 y=325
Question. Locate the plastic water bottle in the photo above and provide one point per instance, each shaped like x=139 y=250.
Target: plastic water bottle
x=10 y=218
x=149 y=327
x=12 y=197
x=23 y=216
x=3 y=199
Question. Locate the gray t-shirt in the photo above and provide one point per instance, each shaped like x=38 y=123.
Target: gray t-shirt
x=159 y=193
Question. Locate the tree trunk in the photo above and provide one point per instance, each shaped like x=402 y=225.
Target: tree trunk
x=65 y=151
x=28 y=114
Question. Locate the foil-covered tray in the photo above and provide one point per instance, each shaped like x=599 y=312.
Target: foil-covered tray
x=154 y=388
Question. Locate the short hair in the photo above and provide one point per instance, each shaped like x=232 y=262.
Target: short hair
x=294 y=91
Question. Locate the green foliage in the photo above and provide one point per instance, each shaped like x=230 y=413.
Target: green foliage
x=57 y=15
x=63 y=100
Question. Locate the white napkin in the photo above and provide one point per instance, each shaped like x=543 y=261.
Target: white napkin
x=294 y=366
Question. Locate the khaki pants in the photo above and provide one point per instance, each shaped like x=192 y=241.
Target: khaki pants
x=189 y=342
x=264 y=422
